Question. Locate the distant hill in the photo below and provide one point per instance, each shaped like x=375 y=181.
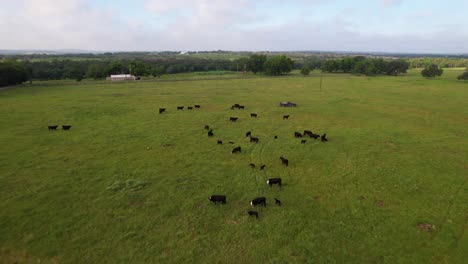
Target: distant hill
x=48 y=52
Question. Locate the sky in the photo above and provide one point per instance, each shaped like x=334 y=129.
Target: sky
x=409 y=26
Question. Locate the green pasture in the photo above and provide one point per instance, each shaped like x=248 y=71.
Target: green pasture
x=129 y=185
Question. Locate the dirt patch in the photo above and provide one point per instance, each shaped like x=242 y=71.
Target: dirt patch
x=118 y=95
x=427 y=227
x=167 y=145
x=317 y=198
x=380 y=203
x=362 y=198
x=233 y=222
x=390 y=144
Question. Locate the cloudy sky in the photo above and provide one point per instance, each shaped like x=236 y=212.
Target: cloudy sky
x=155 y=25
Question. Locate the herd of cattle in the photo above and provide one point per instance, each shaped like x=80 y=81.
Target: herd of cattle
x=272 y=181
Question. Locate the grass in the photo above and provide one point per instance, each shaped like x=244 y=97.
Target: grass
x=127 y=185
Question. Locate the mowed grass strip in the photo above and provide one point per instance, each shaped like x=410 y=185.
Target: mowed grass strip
x=129 y=185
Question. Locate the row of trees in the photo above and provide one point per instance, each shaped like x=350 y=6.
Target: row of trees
x=259 y=63
x=367 y=66
x=441 y=62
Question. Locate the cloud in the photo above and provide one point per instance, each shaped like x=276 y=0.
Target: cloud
x=392 y=2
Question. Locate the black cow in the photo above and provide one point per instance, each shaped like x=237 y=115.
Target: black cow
x=207 y=127
x=217 y=198
x=253 y=115
x=233 y=119
x=52 y=127
x=303 y=141
x=66 y=127
x=254 y=140
x=220 y=142
x=262 y=167
x=241 y=107
x=210 y=133
x=324 y=138
x=274 y=181
x=248 y=134
x=236 y=105
x=297 y=135
x=252 y=165
x=253 y=213
x=258 y=201
x=284 y=161
x=197 y=106
x=276 y=137
x=162 y=110
x=285 y=117
x=314 y=136
x=236 y=150
x=277 y=202
x=190 y=108
x=180 y=108
x=308 y=133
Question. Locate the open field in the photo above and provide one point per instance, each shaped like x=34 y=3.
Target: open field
x=128 y=185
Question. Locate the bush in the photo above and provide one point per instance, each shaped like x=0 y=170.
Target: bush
x=463 y=76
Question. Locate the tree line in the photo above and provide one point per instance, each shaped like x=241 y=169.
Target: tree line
x=366 y=66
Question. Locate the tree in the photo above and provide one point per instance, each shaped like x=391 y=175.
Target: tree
x=256 y=63
x=366 y=67
x=157 y=71
x=305 y=70
x=115 y=67
x=432 y=71
x=397 y=67
x=138 y=68
x=12 y=73
x=278 y=65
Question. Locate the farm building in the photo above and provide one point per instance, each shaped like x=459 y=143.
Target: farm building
x=121 y=77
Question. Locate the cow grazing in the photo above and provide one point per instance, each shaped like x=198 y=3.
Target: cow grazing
x=52 y=127
x=248 y=134
x=277 y=202
x=236 y=150
x=274 y=181
x=303 y=141
x=220 y=142
x=66 y=127
x=262 y=167
x=324 y=138
x=253 y=115
x=308 y=133
x=190 y=107
x=297 y=135
x=285 y=117
x=284 y=161
x=276 y=137
x=252 y=165
x=162 y=110
x=314 y=136
x=241 y=107
x=180 y=108
x=197 y=106
x=254 y=140
x=217 y=198
x=233 y=119
x=253 y=213
x=258 y=201
x=207 y=127
x=210 y=133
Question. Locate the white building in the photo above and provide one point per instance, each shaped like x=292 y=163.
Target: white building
x=121 y=77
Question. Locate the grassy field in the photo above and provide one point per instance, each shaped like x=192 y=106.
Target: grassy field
x=127 y=185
